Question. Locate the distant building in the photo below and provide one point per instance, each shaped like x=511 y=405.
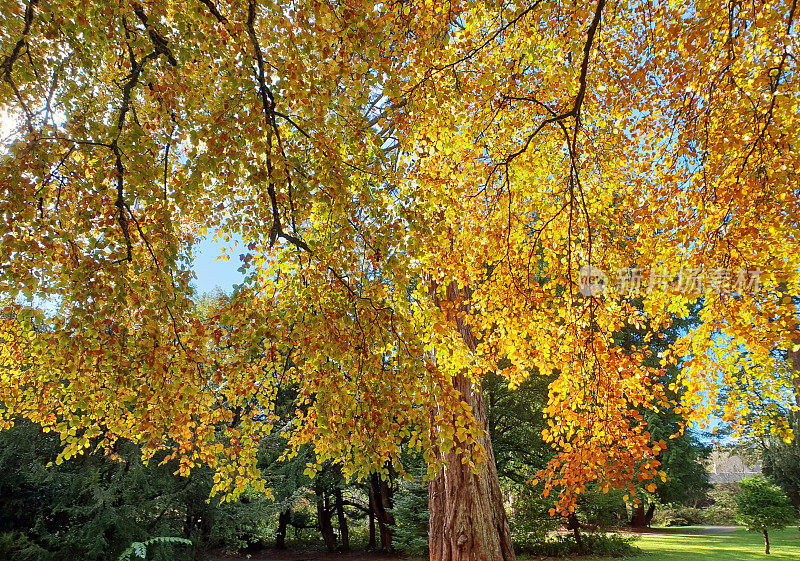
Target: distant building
x=724 y=467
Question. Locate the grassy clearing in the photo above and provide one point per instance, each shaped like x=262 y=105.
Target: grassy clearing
x=732 y=546
x=693 y=544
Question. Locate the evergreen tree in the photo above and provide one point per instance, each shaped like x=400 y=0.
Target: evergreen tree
x=93 y=507
x=411 y=510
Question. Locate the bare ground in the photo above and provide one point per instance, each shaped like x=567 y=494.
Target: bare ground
x=311 y=555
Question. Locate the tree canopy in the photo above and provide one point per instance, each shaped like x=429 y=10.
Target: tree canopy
x=415 y=190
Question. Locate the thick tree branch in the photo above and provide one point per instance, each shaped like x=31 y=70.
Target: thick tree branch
x=8 y=62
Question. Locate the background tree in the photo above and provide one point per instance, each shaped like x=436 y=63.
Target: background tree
x=765 y=429
x=516 y=422
x=781 y=462
x=781 y=459
x=763 y=506
x=411 y=509
x=93 y=507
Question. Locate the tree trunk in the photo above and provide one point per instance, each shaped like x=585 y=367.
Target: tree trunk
x=637 y=517
x=575 y=526
x=371 y=522
x=794 y=359
x=283 y=521
x=766 y=542
x=642 y=519
x=381 y=495
x=344 y=531
x=324 y=522
x=467 y=519
x=648 y=517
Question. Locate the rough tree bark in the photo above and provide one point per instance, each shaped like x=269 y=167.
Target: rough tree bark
x=766 y=543
x=468 y=521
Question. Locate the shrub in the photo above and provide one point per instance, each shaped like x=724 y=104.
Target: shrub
x=721 y=512
x=613 y=545
x=716 y=515
x=610 y=545
x=530 y=518
x=603 y=509
x=677 y=515
x=693 y=516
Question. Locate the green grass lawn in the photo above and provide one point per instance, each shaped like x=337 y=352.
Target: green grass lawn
x=732 y=546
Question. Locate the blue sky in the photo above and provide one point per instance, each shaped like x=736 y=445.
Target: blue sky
x=212 y=273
